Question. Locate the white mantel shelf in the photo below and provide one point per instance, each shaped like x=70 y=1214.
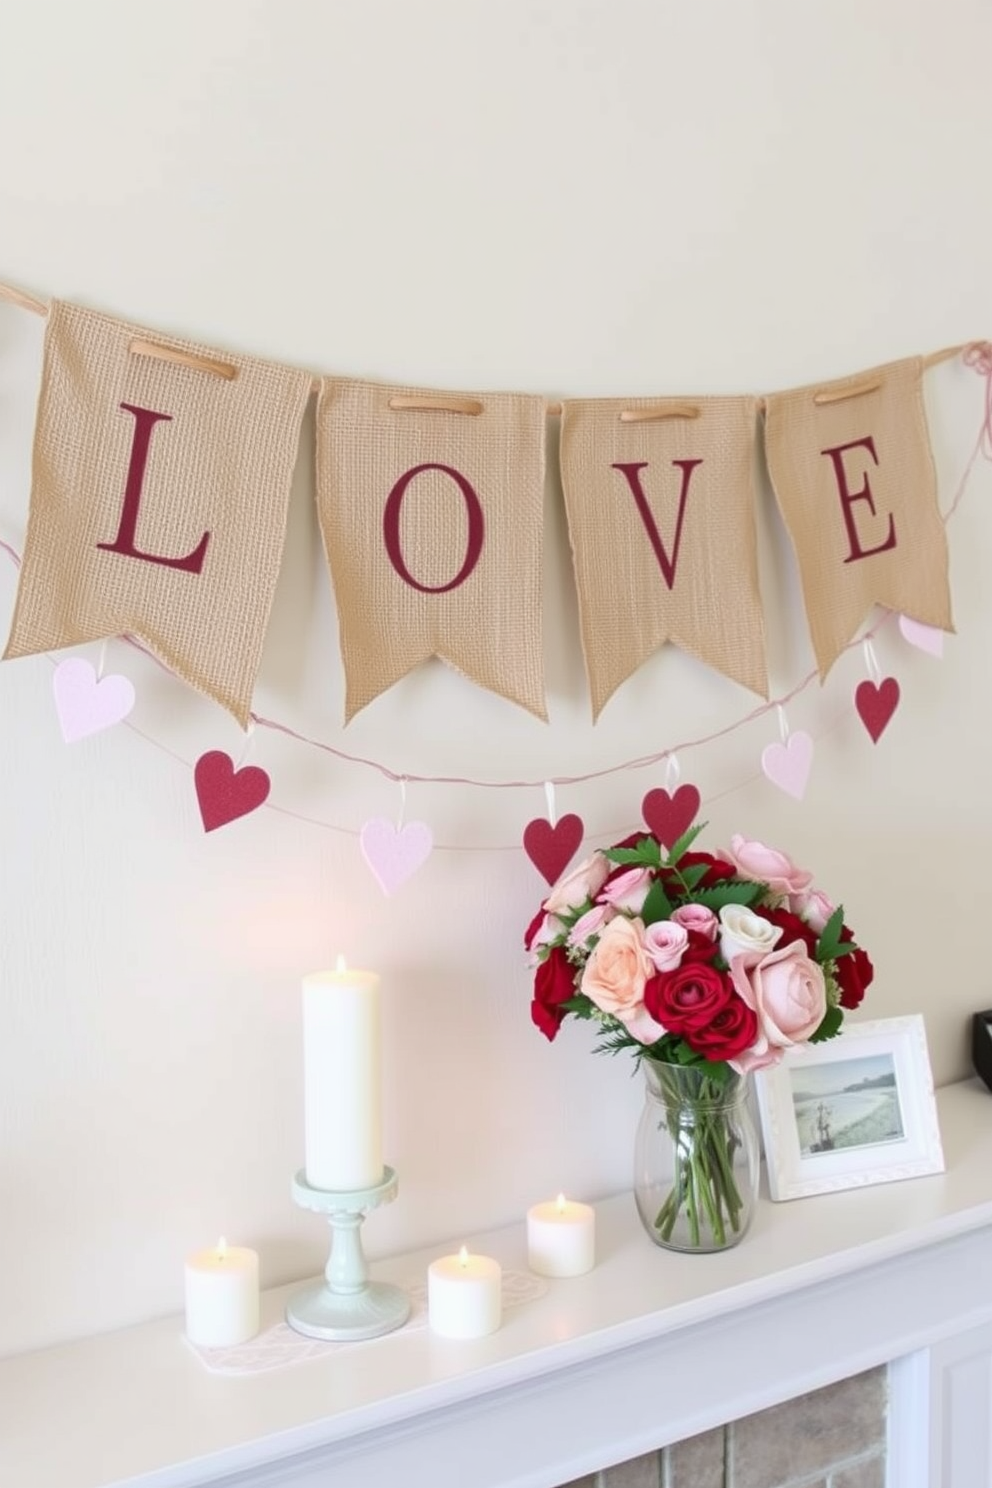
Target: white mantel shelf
x=648 y=1348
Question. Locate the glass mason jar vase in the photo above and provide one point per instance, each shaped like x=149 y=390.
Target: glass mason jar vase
x=696 y=1160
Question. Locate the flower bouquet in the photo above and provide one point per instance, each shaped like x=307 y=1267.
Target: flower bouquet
x=705 y=966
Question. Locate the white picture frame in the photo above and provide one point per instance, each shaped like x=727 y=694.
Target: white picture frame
x=854 y=1110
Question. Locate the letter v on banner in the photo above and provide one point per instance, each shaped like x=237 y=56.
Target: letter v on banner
x=432 y=522
x=662 y=523
x=158 y=502
x=853 y=473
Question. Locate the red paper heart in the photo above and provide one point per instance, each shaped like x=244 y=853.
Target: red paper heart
x=876 y=705
x=667 y=817
x=551 y=849
x=225 y=793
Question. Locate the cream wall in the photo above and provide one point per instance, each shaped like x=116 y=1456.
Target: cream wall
x=605 y=196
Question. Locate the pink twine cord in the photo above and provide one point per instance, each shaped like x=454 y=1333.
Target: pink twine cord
x=977 y=356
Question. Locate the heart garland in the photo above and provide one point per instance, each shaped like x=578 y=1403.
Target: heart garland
x=85 y=705
x=394 y=853
x=876 y=705
x=924 y=637
x=552 y=846
x=668 y=816
x=224 y=793
x=788 y=764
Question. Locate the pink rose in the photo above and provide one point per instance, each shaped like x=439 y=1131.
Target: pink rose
x=755 y=861
x=697 y=917
x=786 y=990
x=665 y=943
x=582 y=883
x=617 y=969
x=590 y=924
x=628 y=891
x=549 y=930
x=813 y=907
x=761 y=1055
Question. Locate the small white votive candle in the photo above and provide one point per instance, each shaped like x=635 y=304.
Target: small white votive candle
x=464 y=1295
x=561 y=1238
x=221 y=1295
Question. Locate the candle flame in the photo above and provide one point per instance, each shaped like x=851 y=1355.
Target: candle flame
x=341 y=965
x=560 y=1203
x=463 y=1256
x=222 y=1249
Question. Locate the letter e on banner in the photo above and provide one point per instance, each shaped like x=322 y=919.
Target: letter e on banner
x=861 y=443
x=849 y=497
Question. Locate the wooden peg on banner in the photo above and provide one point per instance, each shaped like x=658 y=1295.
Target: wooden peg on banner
x=226 y=370
x=650 y=415
x=442 y=405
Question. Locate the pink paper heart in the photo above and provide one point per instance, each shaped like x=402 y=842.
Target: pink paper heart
x=876 y=705
x=923 y=637
x=84 y=705
x=788 y=765
x=225 y=793
x=394 y=855
x=667 y=817
x=552 y=848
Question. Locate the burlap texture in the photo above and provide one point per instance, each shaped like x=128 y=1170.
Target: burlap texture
x=489 y=626
x=712 y=608
x=221 y=465
x=839 y=586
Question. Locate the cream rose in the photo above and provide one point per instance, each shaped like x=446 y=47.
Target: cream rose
x=582 y=883
x=742 y=932
x=665 y=943
x=767 y=865
x=786 y=990
x=617 y=969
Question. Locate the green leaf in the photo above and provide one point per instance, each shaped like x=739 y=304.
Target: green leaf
x=692 y=877
x=729 y=892
x=646 y=854
x=581 y=1005
x=682 y=844
x=657 y=905
x=829 y=941
x=830 y=1027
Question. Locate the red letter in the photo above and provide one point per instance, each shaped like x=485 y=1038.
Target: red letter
x=144 y=422
x=632 y=472
x=848 y=498
x=391 y=530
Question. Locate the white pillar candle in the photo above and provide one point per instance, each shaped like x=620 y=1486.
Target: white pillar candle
x=464 y=1295
x=342 y=1081
x=221 y=1295
x=561 y=1238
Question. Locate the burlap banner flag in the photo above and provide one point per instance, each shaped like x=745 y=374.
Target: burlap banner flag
x=158 y=500
x=432 y=519
x=853 y=472
x=660 y=503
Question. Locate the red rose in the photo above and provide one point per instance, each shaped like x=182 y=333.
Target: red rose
x=794 y=929
x=717 y=871
x=554 y=983
x=700 y=948
x=733 y=1030
x=854 y=973
x=685 y=999
x=530 y=933
x=699 y=1003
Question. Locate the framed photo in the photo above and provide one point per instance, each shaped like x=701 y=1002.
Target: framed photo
x=855 y=1110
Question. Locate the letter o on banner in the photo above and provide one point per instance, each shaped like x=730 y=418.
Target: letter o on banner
x=391 y=529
